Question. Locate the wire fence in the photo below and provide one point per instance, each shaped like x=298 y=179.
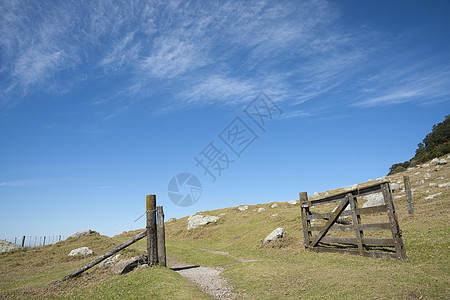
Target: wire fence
x=37 y=241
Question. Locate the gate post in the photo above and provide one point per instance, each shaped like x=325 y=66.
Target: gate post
x=161 y=237
x=152 y=248
x=306 y=224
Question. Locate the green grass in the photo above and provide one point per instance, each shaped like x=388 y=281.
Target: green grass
x=147 y=283
x=29 y=273
x=282 y=270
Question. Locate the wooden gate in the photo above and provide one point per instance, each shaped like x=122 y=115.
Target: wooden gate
x=362 y=220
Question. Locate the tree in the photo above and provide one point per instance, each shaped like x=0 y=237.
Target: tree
x=435 y=144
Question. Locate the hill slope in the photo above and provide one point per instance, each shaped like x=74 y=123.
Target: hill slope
x=283 y=270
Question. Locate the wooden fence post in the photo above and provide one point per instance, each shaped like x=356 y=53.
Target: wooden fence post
x=409 y=200
x=303 y=197
x=23 y=241
x=152 y=240
x=161 y=237
x=43 y=243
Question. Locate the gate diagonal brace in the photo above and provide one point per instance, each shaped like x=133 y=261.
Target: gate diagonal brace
x=334 y=217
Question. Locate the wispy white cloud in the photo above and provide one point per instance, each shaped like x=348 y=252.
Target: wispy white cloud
x=200 y=53
x=405 y=83
x=172 y=57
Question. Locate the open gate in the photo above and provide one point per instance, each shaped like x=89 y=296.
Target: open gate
x=335 y=226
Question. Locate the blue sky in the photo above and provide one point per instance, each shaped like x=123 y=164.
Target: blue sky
x=104 y=102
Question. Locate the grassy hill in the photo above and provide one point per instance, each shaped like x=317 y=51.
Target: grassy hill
x=283 y=270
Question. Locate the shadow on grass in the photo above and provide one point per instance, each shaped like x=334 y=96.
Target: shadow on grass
x=184 y=268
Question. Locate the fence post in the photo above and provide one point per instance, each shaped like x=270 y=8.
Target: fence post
x=161 y=237
x=43 y=243
x=306 y=224
x=409 y=200
x=15 y=240
x=23 y=241
x=152 y=247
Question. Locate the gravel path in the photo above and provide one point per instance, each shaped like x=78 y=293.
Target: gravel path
x=208 y=279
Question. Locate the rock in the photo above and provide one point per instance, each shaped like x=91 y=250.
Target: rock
x=441 y=162
x=260 y=210
x=243 y=207
x=82 y=233
x=292 y=201
x=432 y=196
x=373 y=200
x=274 y=215
x=83 y=251
x=440 y=178
x=381 y=178
x=127 y=265
x=448 y=156
x=316 y=194
x=397 y=197
x=110 y=261
x=425 y=165
x=409 y=169
x=326 y=194
x=427 y=175
x=6 y=246
x=274 y=205
x=170 y=220
x=417 y=173
x=200 y=220
x=420 y=181
x=434 y=160
x=395 y=187
x=432 y=184
x=222 y=214
x=444 y=184
x=275 y=235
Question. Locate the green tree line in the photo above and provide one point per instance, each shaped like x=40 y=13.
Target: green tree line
x=435 y=144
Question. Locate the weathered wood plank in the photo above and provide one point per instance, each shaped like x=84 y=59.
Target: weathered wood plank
x=152 y=239
x=374 y=254
x=393 y=219
x=358 y=192
x=334 y=228
x=161 y=237
x=374 y=226
x=371 y=210
x=326 y=216
x=354 y=241
x=303 y=197
x=134 y=239
x=360 y=211
x=409 y=201
x=330 y=222
x=356 y=222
